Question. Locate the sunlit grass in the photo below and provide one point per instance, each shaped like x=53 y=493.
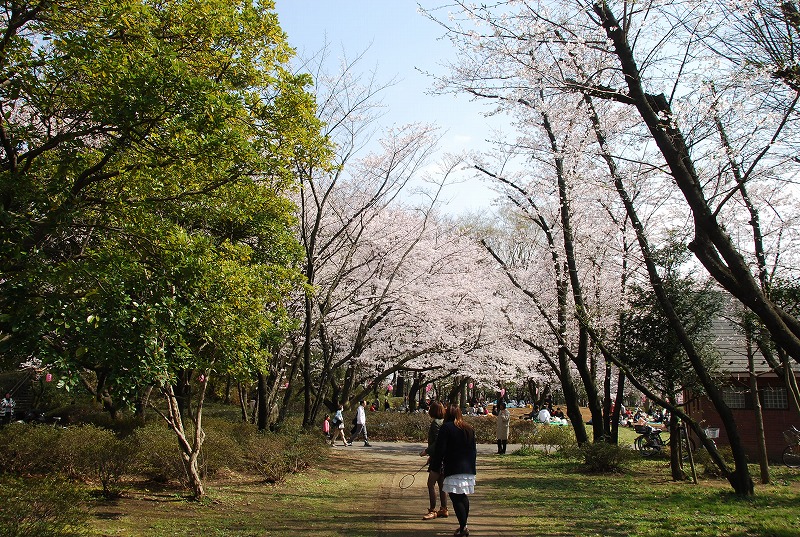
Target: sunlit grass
x=557 y=499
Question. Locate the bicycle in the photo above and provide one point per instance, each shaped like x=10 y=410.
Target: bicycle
x=649 y=441
x=791 y=455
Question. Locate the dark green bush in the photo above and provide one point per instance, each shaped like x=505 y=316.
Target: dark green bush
x=159 y=456
x=710 y=469
x=602 y=457
x=71 y=450
x=274 y=456
x=41 y=507
x=223 y=446
x=104 y=456
x=265 y=454
x=90 y=453
x=396 y=426
x=29 y=449
x=81 y=452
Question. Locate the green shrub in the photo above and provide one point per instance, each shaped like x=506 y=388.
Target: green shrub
x=266 y=457
x=41 y=507
x=159 y=456
x=303 y=450
x=413 y=427
x=396 y=426
x=29 y=449
x=485 y=428
x=710 y=469
x=81 y=452
x=546 y=438
x=223 y=446
x=602 y=457
x=103 y=456
x=274 y=456
x=71 y=450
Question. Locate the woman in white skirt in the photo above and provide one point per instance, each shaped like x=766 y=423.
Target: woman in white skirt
x=456 y=452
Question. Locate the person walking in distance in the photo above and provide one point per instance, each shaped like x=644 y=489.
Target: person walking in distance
x=338 y=427
x=360 y=424
x=503 y=427
x=456 y=452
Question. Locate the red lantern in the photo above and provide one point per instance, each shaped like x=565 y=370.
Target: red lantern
x=471 y=385
x=502 y=392
x=428 y=388
x=48 y=377
x=390 y=387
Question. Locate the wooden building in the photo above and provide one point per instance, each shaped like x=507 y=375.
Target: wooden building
x=776 y=404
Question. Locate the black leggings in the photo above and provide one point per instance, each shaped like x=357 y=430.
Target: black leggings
x=461 y=507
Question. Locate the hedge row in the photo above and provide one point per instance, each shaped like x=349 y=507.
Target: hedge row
x=91 y=453
x=406 y=427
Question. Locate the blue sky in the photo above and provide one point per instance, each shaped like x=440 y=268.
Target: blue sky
x=400 y=43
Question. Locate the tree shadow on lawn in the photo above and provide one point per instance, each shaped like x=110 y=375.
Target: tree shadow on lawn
x=632 y=504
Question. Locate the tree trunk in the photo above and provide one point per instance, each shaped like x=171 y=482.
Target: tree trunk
x=607 y=404
x=757 y=414
x=712 y=246
x=581 y=359
x=740 y=478
x=618 y=403
x=675 y=447
x=189 y=442
x=458 y=388
x=413 y=393
x=261 y=398
x=287 y=395
x=143 y=401
x=307 y=365
x=243 y=401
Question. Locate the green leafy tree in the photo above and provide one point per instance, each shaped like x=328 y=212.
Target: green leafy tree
x=146 y=157
x=655 y=353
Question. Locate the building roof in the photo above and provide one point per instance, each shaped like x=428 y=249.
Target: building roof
x=731 y=344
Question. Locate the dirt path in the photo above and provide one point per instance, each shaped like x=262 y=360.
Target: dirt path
x=399 y=511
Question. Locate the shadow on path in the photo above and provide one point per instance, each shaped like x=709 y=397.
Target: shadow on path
x=399 y=511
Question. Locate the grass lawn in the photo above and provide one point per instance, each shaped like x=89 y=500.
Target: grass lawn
x=536 y=495
x=556 y=499
x=319 y=503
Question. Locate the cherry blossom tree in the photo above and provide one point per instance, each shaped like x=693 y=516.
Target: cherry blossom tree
x=646 y=66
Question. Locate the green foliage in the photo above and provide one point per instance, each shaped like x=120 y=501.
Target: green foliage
x=159 y=457
x=82 y=452
x=652 y=348
x=276 y=456
x=602 y=457
x=710 y=469
x=29 y=449
x=397 y=426
x=41 y=507
x=90 y=453
x=546 y=438
x=104 y=456
x=224 y=446
x=144 y=188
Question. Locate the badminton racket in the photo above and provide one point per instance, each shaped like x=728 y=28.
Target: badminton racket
x=408 y=479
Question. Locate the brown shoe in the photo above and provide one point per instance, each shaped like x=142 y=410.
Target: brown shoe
x=430 y=515
x=442 y=513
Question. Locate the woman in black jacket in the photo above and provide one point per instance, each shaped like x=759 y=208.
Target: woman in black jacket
x=436 y=411
x=456 y=452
